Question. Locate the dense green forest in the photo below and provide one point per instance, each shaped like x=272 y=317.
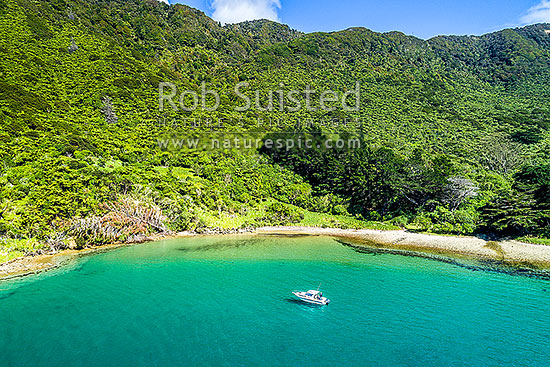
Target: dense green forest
x=453 y=131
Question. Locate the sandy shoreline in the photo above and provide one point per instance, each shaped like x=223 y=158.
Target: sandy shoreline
x=28 y=265
x=511 y=252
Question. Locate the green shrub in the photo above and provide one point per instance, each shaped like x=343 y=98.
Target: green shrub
x=283 y=214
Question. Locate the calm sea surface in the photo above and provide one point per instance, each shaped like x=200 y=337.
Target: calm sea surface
x=226 y=301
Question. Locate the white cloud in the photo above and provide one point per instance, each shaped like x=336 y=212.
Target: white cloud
x=234 y=11
x=539 y=13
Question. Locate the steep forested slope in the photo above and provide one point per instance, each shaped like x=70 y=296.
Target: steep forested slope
x=453 y=130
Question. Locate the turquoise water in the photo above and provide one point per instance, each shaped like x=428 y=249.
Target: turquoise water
x=226 y=301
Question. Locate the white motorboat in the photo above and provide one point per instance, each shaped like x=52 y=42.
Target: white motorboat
x=311 y=296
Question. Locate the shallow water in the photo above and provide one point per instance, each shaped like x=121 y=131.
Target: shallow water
x=226 y=301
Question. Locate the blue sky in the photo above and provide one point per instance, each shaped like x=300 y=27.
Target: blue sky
x=422 y=18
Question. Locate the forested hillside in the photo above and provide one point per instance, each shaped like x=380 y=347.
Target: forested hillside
x=454 y=131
